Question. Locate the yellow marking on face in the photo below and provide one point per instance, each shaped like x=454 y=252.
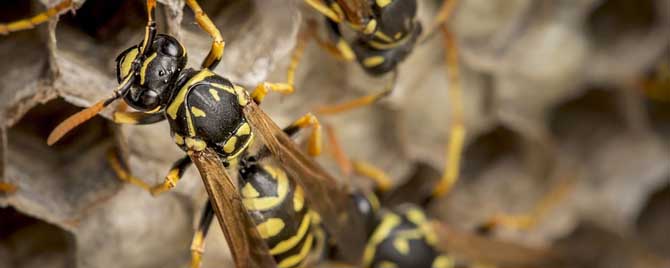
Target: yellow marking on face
x=270 y=227
x=401 y=246
x=370 y=27
x=397 y=35
x=443 y=262
x=345 y=50
x=383 y=3
x=373 y=61
x=389 y=222
x=127 y=62
x=215 y=94
x=229 y=146
x=243 y=130
x=223 y=87
x=265 y=203
x=387 y=264
x=178 y=139
x=195 y=144
x=125 y=118
x=298 y=199
x=155 y=110
x=145 y=64
x=300 y=257
x=248 y=191
x=197 y=112
x=241 y=95
x=181 y=95
x=290 y=243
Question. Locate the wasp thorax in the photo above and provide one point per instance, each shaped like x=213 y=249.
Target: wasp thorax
x=155 y=72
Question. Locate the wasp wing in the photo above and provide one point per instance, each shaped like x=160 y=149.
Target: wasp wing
x=249 y=250
x=325 y=195
x=475 y=248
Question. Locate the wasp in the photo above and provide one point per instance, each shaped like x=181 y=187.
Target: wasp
x=216 y=122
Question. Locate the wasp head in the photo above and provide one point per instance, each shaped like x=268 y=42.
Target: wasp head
x=156 y=73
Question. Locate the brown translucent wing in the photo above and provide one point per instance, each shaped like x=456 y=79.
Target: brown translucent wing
x=325 y=195
x=356 y=10
x=470 y=247
x=249 y=250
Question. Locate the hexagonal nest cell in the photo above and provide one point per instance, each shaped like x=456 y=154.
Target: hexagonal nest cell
x=561 y=72
x=65 y=179
x=29 y=242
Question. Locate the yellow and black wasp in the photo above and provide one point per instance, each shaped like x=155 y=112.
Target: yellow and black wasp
x=215 y=122
x=386 y=32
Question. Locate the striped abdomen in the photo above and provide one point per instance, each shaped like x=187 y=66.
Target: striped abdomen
x=282 y=217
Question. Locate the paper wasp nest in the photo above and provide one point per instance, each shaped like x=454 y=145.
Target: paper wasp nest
x=550 y=91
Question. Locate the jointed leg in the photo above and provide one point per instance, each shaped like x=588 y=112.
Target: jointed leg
x=198 y=243
x=446 y=10
x=343 y=162
x=216 y=52
x=382 y=182
x=176 y=172
x=529 y=220
x=40 y=18
x=359 y=102
x=457 y=133
x=315 y=141
x=321 y=7
x=263 y=88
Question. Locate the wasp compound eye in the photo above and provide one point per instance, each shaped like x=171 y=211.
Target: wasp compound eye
x=143 y=99
x=149 y=99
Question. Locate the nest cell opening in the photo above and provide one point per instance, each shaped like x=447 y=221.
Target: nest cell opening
x=30 y=242
x=614 y=20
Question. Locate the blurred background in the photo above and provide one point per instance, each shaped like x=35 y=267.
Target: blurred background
x=556 y=93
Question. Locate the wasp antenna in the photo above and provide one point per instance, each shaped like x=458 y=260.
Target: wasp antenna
x=74 y=121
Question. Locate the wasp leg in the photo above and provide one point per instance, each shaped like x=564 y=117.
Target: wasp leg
x=360 y=102
x=216 y=52
x=382 y=182
x=7 y=188
x=321 y=7
x=528 y=220
x=137 y=118
x=198 y=242
x=176 y=172
x=315 y=140
x=343 y=162
x=446 y=10
x=29 y=23
x=296 y=56
x=457 y=133
x=341 y=48
x=263 y=88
